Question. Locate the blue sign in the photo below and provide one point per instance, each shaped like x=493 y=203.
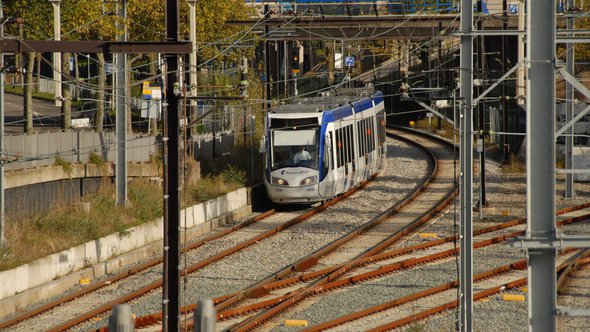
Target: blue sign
x=349 y=61
x=513 y=8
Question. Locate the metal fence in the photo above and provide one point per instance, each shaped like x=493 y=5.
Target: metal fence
x=42 y=149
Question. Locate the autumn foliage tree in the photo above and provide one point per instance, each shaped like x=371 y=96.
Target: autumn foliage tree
x=97 y=20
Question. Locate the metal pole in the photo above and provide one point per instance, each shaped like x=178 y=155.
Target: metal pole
x=569 y=114
x=171 y=172
x=57 y=55
x=540 y=120
x=193 y=55
x=205 y=316
x=520 y=83
x=285 y=67
x=121 y=320
x=2 y=202
x=267 y=58
x=121 y=125
x=466 y=77
x=503 y=139
x=192 y=72
x=481 y=113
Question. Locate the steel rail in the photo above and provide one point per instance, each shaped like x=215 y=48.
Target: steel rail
x=520 y=265
x=453 y=304
x=571 y=264
x=306 y=291
x=407 y=250
x=379 y=272
x=312 y=259
x=155 y=285
x=128 y=272
x=259 y=289
x=194 y=267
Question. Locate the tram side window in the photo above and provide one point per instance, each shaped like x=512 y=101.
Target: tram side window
x=339 y=150
x=371 y=134
x=330 y=152
x=359 y=137
x=366 y=135
x=349 y=146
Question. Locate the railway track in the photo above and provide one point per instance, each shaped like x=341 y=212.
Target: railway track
x=153 y=285
x=572 y=291
x=270 y=217
x=403 y=311
x=373 y=267
x=375 y=236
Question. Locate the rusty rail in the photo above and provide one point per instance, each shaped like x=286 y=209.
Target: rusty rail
x=260 y=288
x=122 y=275
x=157 y=284
x=306 y=291
x=383 y=270
x=453 y=304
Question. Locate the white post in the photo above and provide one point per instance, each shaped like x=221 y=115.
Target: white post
x=121 y=125
x=2 y=159
x=57 y=55
x=193 y=55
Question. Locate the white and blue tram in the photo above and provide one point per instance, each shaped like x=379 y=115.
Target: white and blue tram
x=344 y=136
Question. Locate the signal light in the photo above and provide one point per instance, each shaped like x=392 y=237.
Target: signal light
x=295 y=61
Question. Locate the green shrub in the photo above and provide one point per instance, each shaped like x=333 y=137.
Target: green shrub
x=65 y=165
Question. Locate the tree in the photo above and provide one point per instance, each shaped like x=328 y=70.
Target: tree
x=96 y=24
x=37 y=19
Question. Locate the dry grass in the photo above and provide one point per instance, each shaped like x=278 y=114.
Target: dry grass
x=515 y=166
x=67 y=225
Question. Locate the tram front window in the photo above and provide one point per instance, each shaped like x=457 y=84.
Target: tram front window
x=294 y=148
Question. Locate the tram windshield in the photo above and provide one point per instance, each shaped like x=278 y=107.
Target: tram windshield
x=294 y=148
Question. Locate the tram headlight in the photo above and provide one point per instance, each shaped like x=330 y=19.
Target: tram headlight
x=279 y=181
x=309 y=180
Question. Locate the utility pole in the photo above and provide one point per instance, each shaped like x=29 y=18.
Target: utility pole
x=503 y=140
x=2 y=159
x=171 y=170
x=569 y=114
x=193 y=55
x=57 y=55
x=192 y=70
x=466 y=156
x=267 y=59
x=481 y=119
x=540 y=165
x=520 y=82
x=121 y=125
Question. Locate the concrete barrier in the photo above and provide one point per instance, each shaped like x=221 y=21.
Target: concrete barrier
x=56 y=273
x=30 y=176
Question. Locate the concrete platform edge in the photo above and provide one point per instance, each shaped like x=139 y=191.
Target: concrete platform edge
x=215 y=211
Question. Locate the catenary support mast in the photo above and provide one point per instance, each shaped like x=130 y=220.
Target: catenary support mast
x=569 y=113
x=466 y=189
x=540 y=163
x=171 y=164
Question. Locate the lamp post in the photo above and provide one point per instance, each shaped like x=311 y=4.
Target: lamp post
x=192 y=68
x=2 y=212
x=193 y=55
x=57 y=55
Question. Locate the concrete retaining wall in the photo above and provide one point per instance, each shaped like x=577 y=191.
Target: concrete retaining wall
x=36 y=190
x=96 y=257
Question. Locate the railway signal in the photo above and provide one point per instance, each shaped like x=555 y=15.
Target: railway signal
x=295 y=61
